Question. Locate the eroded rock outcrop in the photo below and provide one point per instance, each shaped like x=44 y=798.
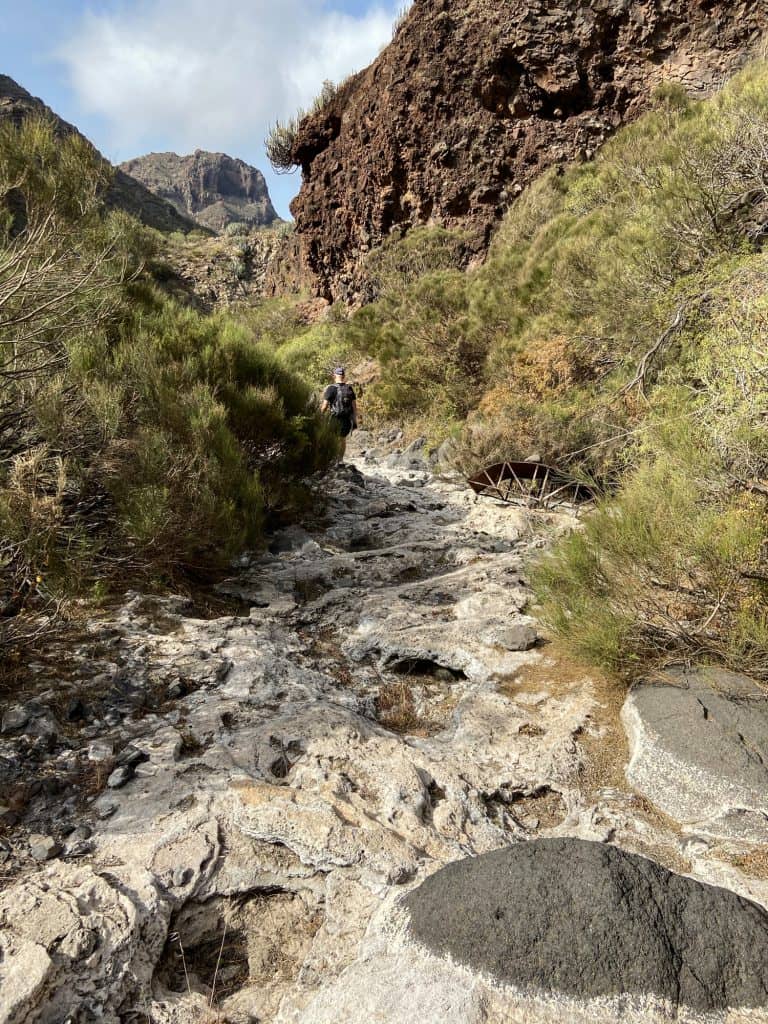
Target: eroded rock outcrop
x=472 y=100
x=220 y=272
x=212 y=188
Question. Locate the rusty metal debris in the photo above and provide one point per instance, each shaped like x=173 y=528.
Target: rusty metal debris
x=530 y=483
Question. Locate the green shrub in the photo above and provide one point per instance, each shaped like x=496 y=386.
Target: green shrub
x=281 y=138
x=676 y=563
x=664 y=568
x=421 y=329
x=138 y=437
x=195 y=433
x=279 y=144
x=237 y=229
x=400 y=261
x=313 y=354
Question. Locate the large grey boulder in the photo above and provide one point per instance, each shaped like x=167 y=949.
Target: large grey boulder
x=699 y=750
x=588 y=920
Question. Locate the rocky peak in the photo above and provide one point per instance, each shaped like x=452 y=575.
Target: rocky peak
x=213 y=188
x=125 y=192
x=472 y=100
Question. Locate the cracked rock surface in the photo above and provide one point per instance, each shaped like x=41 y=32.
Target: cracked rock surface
x=699 y=746
x=376 y=703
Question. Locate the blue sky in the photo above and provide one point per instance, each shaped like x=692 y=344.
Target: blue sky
x=138 y=76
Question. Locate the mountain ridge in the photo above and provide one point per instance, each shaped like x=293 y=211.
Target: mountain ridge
x=212 y=188
x=125 y=192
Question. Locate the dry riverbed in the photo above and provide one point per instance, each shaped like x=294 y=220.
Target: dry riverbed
x=216 y=816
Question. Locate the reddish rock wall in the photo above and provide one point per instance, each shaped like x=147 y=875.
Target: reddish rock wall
x=473 y=99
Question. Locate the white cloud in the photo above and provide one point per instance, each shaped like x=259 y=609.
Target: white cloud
x=214 y=75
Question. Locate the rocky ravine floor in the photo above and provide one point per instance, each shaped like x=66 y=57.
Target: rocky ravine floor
x=263 y=789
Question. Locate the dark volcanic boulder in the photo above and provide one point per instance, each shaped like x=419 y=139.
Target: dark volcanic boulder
x=588 y=920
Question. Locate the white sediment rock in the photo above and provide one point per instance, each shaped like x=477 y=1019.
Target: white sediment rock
x=304 y=780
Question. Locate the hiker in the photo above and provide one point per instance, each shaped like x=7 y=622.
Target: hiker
x=340 y=400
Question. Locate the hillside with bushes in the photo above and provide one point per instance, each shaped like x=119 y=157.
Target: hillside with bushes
x=139 y=439
x=617 y=330
x=123 y=192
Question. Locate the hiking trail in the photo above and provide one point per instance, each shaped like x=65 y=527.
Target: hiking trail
x=264 y=786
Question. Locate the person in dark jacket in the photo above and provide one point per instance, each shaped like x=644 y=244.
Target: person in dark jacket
x=340 y=400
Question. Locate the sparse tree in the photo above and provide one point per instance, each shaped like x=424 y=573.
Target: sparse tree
x=57 y=255
x=60 y=261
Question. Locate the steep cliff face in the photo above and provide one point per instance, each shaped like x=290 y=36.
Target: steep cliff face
x=473 y=99
x=212 y=188
x=125 y=192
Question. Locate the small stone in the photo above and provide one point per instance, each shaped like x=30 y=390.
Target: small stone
x=120 y=776
x=131 y=756
x=81 y=849
x=518 y=638
x=416 y=446
x=78 y=843
x=177 y=690
x=7 y=815
x=181 y=876
x=44 y=727
x=100 y=750
x=106 y=809
x=43 y=848
x=14 y=719
x=76 y=710
x=52 y=785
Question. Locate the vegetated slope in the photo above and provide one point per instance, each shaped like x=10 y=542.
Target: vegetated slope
x=124 y=192
x=224 y=271
x=211 y=188
x=471 y=101
x=618 y=329
x=138 y=439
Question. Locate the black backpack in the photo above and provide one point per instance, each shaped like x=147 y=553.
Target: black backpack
x=342 y=402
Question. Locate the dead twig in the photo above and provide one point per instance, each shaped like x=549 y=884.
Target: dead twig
x=644 y=366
